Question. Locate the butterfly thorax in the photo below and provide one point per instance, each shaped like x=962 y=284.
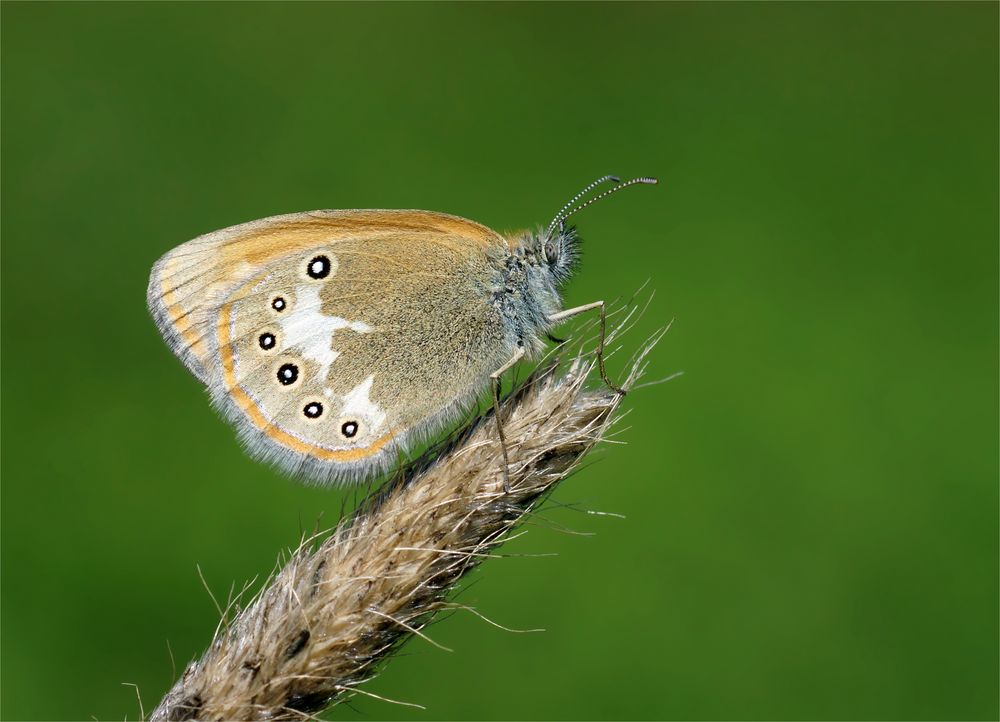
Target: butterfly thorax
x=533 y=272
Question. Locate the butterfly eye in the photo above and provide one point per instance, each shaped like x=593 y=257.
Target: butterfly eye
x=349 y=429
x=279 y=304
x=267 y=341
x=551 y=252
x=319 y=267
x=288 y=374
x=313 y=410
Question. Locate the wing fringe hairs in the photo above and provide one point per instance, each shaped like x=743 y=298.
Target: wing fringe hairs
x=340 y=606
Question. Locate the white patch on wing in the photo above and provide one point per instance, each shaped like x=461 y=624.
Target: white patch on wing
x=307 y=329
x=357 y=404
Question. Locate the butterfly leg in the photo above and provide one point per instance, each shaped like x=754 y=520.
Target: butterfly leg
x=569 y=313
x=496 y=378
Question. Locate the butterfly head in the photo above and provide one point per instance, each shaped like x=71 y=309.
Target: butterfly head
x=550 y=254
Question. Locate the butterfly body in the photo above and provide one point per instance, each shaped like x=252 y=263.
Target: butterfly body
x=332 y=339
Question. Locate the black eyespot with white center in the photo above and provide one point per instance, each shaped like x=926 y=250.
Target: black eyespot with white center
x=267 y=341
x=319 y=267
x=313 y=410
x=279 y=304
x=349 y=429
x=288 y=374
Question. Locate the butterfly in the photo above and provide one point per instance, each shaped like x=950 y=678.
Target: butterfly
x=334 y=339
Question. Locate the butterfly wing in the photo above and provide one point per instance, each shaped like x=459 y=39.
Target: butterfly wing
x=331 y=338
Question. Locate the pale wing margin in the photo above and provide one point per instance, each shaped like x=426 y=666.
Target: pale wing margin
x=189 y=283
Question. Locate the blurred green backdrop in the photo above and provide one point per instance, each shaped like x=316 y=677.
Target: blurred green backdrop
x=810 y=511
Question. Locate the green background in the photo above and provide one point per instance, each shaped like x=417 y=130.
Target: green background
x=810 y=511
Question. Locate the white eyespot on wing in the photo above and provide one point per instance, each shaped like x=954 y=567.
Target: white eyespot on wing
x=307 y=329
x=359 y=406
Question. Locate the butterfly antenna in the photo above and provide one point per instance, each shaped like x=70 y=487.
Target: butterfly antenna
x=605 y=194
x=578 y=196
